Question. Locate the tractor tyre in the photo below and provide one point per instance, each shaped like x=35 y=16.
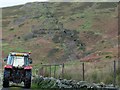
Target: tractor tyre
x=27 y=82
x=6 y=78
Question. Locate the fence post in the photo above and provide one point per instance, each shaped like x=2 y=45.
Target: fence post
x=114 y=82
x=46 y=70
x=55 y=71
x=83 y=67
x=36 y=72
x=42 y=71
x=62 y=70
x=50 y=70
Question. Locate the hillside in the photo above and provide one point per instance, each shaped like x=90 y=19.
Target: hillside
x=65 y=33
x=60 y=32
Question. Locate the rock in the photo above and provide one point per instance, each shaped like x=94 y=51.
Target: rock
x=46 y=82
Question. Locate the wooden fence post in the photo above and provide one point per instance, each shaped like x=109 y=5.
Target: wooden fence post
x=50 y=70
x=42 y=71
x=83 y=67
x=54 y=71
x=114 y=82
x=46 y=69
x=62 y=70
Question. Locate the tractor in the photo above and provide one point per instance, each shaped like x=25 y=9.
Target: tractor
x=17 y=69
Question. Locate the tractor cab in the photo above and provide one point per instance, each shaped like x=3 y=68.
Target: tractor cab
x=18 y=59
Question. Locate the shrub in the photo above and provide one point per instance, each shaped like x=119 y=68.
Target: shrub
x=109 y=57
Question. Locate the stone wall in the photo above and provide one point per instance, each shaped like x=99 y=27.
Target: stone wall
x=45 y=82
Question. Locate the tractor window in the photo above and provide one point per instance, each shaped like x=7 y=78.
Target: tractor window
x=18 y=60
x=10 y=60
x=26 y=61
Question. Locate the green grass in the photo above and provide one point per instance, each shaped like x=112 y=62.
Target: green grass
x=88 y=20
x=105 y=5
x=95 y=73
x=47 y=70
x=8 y=49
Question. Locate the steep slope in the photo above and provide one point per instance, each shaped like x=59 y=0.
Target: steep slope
x=59 y=32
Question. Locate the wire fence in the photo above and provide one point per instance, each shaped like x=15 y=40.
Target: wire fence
x=94 y=72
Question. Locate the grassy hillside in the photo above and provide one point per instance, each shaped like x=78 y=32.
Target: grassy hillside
x=63 y=33
x=57 y=32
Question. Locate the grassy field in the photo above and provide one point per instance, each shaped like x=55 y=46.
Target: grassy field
x=64 y=33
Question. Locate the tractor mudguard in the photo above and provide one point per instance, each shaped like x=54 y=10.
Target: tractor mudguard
x=28 y=68
x=8 y=66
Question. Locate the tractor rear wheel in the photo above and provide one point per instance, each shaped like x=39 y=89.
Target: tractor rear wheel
x=6 y=78
x=27 y=82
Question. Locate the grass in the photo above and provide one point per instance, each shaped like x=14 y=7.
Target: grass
x=46 y=70
x=118 y=77
x=6 y=49
x=86 y=25
x=106 y=5
x=94 y=72
x=97 y=75
x=87 y=16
